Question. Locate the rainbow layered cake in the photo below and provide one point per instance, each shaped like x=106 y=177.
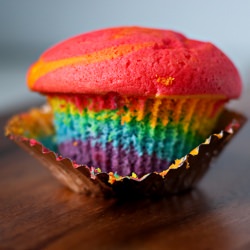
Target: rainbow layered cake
x=133 y=99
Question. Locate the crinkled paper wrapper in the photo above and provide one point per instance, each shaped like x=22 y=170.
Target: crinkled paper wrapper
x=183 y=174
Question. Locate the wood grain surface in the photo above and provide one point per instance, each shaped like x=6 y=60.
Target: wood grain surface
x=37 y=212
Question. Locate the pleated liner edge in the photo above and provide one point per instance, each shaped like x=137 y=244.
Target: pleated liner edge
x=182 y=175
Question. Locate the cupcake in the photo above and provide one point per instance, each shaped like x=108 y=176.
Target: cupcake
x=132 y=99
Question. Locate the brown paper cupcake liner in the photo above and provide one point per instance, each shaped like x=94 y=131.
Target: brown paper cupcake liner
x=27 y=129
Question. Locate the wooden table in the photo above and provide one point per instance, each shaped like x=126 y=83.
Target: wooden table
x=37 y=212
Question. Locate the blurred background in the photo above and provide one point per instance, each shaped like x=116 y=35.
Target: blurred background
x=29 y=27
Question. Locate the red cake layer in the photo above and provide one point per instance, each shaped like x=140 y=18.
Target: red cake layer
x=135 y=61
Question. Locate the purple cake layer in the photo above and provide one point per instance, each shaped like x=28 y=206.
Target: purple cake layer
x=112 y=159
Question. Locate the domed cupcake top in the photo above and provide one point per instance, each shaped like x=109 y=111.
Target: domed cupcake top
x=135 y=61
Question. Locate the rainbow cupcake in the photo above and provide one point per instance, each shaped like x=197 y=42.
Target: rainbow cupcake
x=133 y=99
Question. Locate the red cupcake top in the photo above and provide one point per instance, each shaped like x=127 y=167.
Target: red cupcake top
x=135 y=61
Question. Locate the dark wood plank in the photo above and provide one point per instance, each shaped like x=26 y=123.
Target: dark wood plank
x=36 y=212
